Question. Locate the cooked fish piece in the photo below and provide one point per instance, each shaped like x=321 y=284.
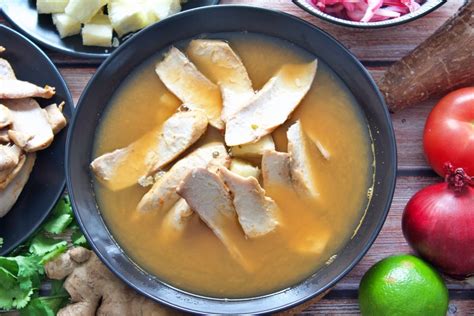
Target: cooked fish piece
x=217 y=60
x=17 y=89
x=257 y=214
x=56 y=118
x=9 y=156
x=30 y=127
x=5 y=116
x=163 y=145
x=185 y=81
x=276 y=169
x=162 y=195
x=9 y=196
x=6 y=70
x=175 y=221
x=301 y=148
x=207 y=195
x=179 y=132
x=4 y=138
x=7 y=176
x=271 y=106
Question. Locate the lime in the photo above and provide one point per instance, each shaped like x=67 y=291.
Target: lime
x=402 y=285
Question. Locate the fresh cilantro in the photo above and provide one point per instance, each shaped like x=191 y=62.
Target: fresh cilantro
x=78 y=239
x=60 y=218
x=45 y=306
x=41 y=245
x=19 y=276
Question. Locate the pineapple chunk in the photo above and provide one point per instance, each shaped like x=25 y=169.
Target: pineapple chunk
x=127 y=16
x=97 y=35
x=244 y=169
x=164 y=8
x=83 y=10
x=51 y=6
x=254 y=149
x=66 y=25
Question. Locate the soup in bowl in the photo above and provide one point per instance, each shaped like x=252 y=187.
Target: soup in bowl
x=232 y=166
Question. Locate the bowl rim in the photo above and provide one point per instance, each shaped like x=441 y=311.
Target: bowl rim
x=434 y=4
x=356 y=258
x=69 y=105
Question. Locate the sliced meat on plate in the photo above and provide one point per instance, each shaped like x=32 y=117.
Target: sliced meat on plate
x=301 y=149
x=7 y=176
x=217 y=60
x=271 y=106
x=6 y=70
x=4 y=138
x=185 y=81
x=276 y=169
x=124 y=167
x=10 y=194
x=257 y=214
x=56 y=118
x=207 y=195
x=5 y=116
x=30 y=127
x=162 y=195
x=9 y=156
x=17 y=89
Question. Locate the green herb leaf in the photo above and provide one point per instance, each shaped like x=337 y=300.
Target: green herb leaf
x=18 y=276
x=60 y=218
x=44 y=306
x=41 y=245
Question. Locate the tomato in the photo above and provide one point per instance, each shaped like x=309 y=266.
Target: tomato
x=449 y=132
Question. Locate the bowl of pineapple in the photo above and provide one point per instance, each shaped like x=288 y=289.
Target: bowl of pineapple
x=89 y=28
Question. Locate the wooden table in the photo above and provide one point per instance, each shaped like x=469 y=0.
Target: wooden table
x=377 y=49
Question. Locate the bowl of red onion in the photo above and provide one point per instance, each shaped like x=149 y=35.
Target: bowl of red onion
x=369 y=13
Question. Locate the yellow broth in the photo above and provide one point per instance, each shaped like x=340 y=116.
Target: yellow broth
x=311 y=231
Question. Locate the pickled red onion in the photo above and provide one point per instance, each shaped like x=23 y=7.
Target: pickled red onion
x=366 y=10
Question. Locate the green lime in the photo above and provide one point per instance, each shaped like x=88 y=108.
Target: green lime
x=402 y=285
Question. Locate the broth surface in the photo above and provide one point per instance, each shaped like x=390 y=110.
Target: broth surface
x=197 y=261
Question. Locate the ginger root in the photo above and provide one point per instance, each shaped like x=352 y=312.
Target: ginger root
x=95 y=290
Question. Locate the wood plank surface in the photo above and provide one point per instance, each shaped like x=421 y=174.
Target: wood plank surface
x=377 y=49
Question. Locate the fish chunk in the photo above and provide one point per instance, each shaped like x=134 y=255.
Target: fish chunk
x=207 y=195
x=9 y=156
x=7 y=176
x=301 y=148
x=6 y=70
x=271 y=106
x=30 y=127
x=56 y=118
x=17 y=89
x=162 y=146
x=162 y=195
x=9 y=196
x=257 y=214
x=175 y=221
x=223 y=66
x=185 y=81
x=276 y=169
x=4 y=138
x=179 y=132
x=5 y=116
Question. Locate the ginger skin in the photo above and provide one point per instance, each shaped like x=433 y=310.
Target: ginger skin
x=95 y=290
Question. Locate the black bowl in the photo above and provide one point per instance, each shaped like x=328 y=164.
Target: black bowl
x=23 y=16
x=46 y=182
x=113 y=71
